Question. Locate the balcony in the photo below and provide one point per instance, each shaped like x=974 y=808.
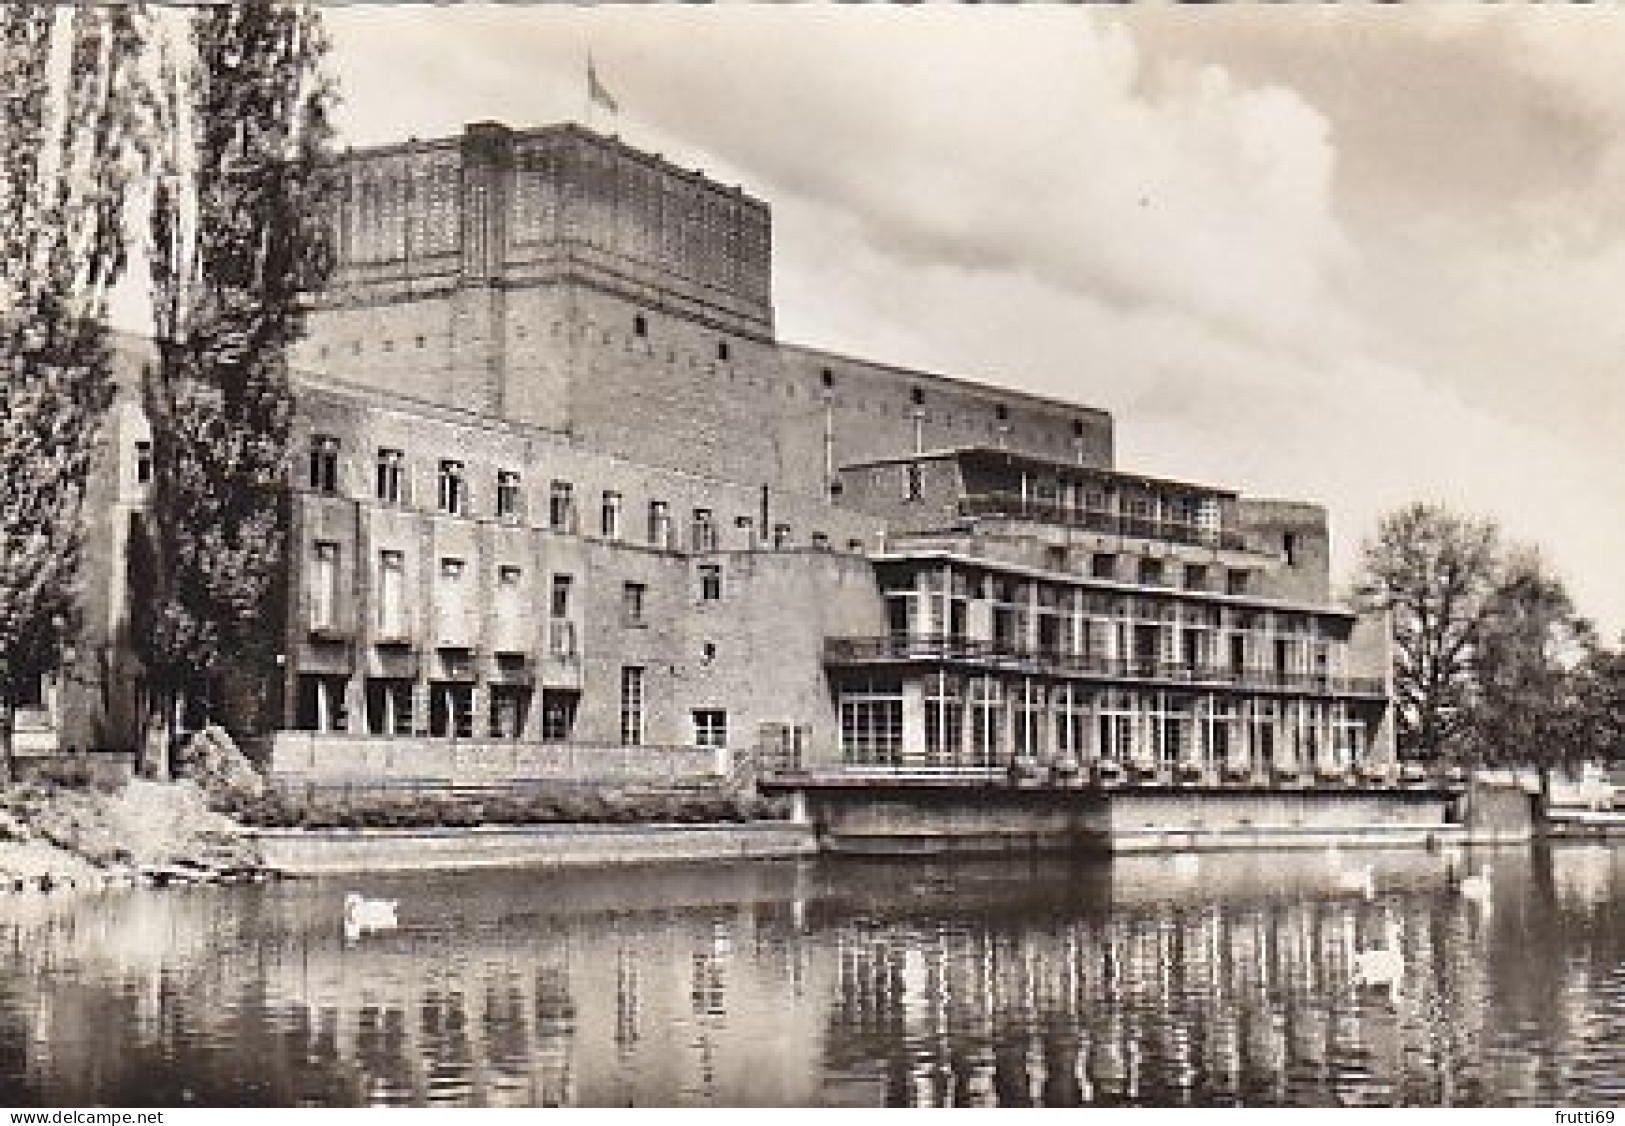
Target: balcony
x=997 y=656
x=1014 y=506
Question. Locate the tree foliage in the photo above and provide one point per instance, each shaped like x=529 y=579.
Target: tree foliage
x=62 y=248
x=1435 y=573
x=1491 y=662
x=239 y=239
x=1530 y=644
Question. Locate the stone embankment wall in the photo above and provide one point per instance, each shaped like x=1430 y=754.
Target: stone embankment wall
x=301 y=762
x=313 y=852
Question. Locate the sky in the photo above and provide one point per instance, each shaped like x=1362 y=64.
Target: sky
x=1357 y=256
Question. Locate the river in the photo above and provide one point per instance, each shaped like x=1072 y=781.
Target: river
x=799 y=983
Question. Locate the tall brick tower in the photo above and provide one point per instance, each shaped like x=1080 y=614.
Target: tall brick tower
x=559 y=278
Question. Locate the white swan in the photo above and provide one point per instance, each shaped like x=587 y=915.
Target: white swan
x=362 y=914
x=1362 y=880
x=1478 y=888
x=1382 y=966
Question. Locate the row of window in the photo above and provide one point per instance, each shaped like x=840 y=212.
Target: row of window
x=981 y=721
x=451 y=594
x=390 y=710
x=928 y=588
x=455 y=497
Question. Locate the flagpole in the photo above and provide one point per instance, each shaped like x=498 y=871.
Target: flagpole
x=586 y=91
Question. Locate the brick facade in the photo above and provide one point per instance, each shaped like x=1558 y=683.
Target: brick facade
x=550 y=455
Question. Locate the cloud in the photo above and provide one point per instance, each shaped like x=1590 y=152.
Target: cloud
x=1362 y=257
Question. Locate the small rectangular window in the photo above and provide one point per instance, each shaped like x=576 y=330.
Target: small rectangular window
x=1103 y=565
x=1235 y=582
x=143 y=463
x=820 y=541
x=1289 y=548
x=913 y=482
x=324 y=463
x=560 y=605
x=509 y=498
x=632 y=603
x=705 y=530
x=609 y=523
x=781 y=535
x=710 y=727
x=453 y=489
x=710 y=582
x=391 y=484
x=659 y=524
x=508 y=576
x=561 y=512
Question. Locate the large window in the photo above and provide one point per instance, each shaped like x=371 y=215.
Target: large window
x=872 y=722
x=389 y=706
x=558 y=715
x=710 y=727
x=1028 y=715
x=453 y=597
x=324 y=463
x=944 y=719
x=631 y=706
x=986 y=721
x=391 y=594
x=324 y=587
x=451 y=710
x=1117 y=726
x=391 y=483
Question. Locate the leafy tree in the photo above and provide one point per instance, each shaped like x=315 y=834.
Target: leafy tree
x=1435 y=573
x=1530 y=645
x=62 y=248
x=239 y=237
x=1597 y=728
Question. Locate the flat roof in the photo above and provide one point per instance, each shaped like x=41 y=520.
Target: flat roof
x=960 y=382
x=1038 y=461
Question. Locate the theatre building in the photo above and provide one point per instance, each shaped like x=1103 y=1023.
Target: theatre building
x=559 y=484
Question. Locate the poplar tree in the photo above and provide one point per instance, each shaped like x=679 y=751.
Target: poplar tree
x=71 y=131
x=239 y=240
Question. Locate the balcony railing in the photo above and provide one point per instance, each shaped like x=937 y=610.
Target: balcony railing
x=998 y=654
x=1017 y=507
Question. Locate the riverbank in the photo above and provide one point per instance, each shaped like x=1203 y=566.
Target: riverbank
x=309 y=852
x=83 y=838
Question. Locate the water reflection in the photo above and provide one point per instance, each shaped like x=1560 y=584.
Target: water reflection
x=1042 y=983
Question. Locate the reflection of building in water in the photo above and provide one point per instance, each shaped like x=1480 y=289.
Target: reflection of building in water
x=589 y=1009
x=1236 y=998
x=1159 y=1004
x=1582 y=876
